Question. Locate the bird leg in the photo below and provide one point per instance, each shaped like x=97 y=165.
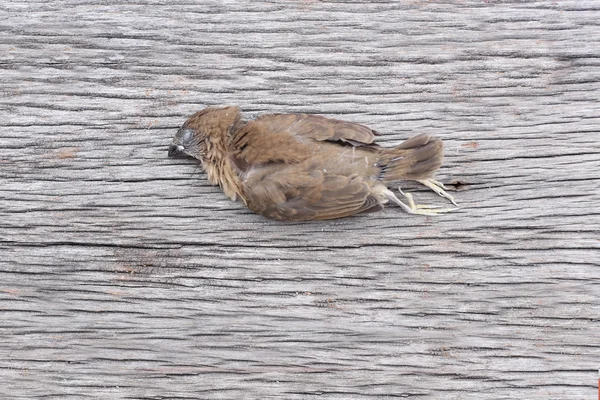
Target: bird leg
x=437 y=187
x=413 y=208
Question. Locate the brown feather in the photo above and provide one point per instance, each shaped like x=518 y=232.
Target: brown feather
x=417 y=158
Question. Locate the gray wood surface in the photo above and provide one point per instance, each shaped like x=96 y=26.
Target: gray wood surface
x=124 y=275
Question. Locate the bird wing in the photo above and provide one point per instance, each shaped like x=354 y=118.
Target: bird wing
x=287 y=138
x=326 y=129
x=306 y=191
x=296 y=167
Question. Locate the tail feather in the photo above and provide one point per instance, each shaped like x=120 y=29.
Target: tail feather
x=417 y=158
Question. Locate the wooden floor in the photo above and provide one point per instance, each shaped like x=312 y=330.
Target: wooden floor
x=125 y=275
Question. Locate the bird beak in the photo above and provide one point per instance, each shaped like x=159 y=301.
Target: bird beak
x=176 y=150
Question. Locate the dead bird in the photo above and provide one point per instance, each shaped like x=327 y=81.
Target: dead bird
x=298 y=167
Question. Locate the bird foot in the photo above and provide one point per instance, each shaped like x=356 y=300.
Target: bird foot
x=423 y=209
x=437 y=187
x=412 y=208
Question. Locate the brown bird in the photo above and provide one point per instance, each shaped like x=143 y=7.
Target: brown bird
x=298 y=167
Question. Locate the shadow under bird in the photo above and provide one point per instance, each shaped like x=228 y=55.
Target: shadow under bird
x=298 y=167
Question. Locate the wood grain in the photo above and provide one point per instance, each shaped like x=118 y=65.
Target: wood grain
x=123 y=274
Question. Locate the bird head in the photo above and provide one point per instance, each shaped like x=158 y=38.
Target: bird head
x=185 y=143
x=204 y=130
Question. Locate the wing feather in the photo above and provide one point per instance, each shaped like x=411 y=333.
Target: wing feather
x=297 y=193
x=282 y=161
x=290 y=138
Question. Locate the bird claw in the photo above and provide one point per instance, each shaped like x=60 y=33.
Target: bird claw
x=438 y=187
x=422 y=209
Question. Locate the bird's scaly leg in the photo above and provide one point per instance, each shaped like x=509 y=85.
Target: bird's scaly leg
x=437 y=187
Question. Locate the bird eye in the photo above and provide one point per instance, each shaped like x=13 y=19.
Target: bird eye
x=187 y=135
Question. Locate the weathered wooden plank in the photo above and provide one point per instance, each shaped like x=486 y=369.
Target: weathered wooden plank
x=125 y=275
